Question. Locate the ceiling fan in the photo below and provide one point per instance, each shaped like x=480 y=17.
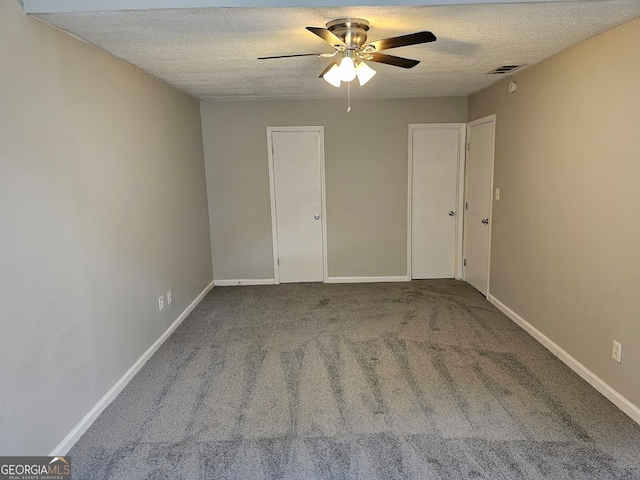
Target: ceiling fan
x=348 y=36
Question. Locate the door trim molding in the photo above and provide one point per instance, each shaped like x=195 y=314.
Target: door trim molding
x=274 y=227
x=460 y=191
x=480 y=121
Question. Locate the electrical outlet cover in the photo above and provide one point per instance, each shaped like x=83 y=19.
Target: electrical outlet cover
x=616 y=352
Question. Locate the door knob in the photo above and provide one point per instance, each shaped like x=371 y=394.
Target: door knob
x=316 y=216
x=485 y=221
x=451 y=213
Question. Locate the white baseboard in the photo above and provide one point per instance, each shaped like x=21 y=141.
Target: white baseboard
x=271 y=281
x=591 y=378
x=251 y=281
x=366 y=279
x=63 y=447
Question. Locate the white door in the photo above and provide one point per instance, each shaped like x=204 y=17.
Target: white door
x=296 y=173
x=436 y=159
x=479 y=168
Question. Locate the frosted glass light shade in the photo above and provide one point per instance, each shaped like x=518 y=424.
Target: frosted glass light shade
x=333 y=76
x=364 y=73
x=347 y=69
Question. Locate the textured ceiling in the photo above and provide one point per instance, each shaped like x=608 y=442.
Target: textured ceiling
x=211 y=53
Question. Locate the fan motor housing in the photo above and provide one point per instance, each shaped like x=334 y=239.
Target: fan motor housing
x=352 y=31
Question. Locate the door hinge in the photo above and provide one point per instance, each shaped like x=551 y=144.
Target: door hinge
x=278 y=262
x=466 y=205
x=464 y=262
x=468 y=145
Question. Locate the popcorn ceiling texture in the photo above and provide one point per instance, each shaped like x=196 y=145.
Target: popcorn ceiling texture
x=415 y=380
x=211 y=53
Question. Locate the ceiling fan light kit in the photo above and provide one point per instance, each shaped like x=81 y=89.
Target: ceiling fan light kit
x=333 y=76
x=364 y=73
x=348 y=36
x=347 y=69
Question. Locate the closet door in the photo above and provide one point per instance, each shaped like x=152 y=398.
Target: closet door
x=436 y=158
x=296 y=173
x=478 y=213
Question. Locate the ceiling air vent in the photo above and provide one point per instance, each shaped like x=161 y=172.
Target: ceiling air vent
x=504 y=69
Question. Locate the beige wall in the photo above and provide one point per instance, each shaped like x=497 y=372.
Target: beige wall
x=566 y=230
x=102 y=210
x=366 y=180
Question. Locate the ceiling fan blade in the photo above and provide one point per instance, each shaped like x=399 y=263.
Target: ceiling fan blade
x=393 y=60
x=295 y=55
x=328 y=68
x=328 y=36
x=402 y=41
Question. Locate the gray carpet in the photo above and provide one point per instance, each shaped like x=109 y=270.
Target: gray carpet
x=419 y=380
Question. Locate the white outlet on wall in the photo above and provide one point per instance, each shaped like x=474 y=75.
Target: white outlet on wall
x=169 y=297
x=616 y=352
x=160 y=302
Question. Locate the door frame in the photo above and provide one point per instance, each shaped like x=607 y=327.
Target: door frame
x=460 y=189
x=480 y=121
x=272 y=186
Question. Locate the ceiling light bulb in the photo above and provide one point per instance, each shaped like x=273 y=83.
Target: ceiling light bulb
x=347 y=69
x=333 y=76
x=364 y=73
